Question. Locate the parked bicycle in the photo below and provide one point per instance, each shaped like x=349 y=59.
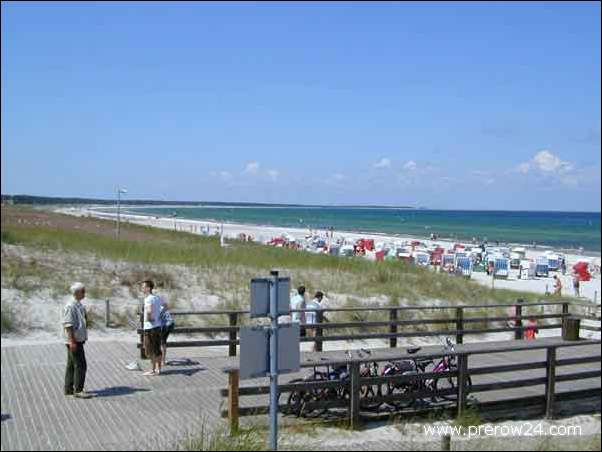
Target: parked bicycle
x=299 y=401
x=408 y=367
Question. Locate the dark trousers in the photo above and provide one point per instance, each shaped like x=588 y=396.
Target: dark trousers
x=75 y=375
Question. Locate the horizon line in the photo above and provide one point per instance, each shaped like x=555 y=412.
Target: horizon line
x=66 y=200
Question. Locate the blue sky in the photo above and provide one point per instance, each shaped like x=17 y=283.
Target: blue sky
x=443 y=105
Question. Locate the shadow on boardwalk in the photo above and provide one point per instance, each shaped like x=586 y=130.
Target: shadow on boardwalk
x=117 y=391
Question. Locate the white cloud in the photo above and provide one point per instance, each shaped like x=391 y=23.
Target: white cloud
x=252 y=168
x=490 y=181
x=550 y=163
x=383 y=163
x=273 y=174
x=338 y=176
x=410 y=166
x=547 y=163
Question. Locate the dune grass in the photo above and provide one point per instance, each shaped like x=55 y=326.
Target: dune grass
x=235 y=264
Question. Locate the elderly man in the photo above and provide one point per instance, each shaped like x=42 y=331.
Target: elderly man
x=76 y=334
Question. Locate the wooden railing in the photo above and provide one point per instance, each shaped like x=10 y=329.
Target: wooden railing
x=397 y=316
x=355 y=403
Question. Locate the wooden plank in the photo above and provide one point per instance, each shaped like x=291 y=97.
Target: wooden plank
x=462 y=383
x=550 y=382
x=233 y=414
x=393 y=328
x=507 y=385
x=507 y=368
x=459 y=325
x=578 y=376
x=573 y=361
x=354 y=392
x=233 y=319
x=399 y=308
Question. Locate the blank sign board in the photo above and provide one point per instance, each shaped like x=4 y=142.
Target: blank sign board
x=255 y=348
x=260 y=297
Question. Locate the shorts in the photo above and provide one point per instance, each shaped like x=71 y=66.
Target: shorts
x=152 y=343
x=165 y=331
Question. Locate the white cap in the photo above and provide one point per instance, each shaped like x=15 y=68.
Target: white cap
x=76 y=287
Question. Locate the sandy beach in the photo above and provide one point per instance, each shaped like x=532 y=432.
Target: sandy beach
x=590 y=290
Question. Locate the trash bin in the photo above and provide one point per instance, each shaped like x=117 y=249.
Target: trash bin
x=570 y=328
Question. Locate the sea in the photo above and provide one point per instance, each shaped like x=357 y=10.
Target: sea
x=559 y=230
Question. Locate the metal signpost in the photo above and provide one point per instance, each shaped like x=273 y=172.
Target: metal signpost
x=270 y=350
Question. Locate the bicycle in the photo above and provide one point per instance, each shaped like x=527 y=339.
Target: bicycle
x=448 y=363
x=298 y=400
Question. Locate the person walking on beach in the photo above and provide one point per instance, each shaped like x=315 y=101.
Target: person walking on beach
x=152 y=327
x=75 y=329
x=298 y=302
x=576 y=284
x=167 y=326
x=557 y=286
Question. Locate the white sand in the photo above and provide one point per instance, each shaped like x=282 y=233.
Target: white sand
x=590 y=290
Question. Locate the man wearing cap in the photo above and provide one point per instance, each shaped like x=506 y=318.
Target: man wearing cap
x=76 y=334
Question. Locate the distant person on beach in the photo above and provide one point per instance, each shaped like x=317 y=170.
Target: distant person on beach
x=563 y=266
x=152 y=327
x=167 y=326
x=576 y=284
x=298 y=302
x=531 y=329
x=312 y=317
x=75 y=329
x=557 y=286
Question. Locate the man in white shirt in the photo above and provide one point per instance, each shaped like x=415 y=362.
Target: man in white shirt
x=298 y=302
x=312 y=316
x=152 y=327
x=75 y=331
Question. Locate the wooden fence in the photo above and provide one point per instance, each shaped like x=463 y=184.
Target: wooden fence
x=398 y=317
x=355 y=403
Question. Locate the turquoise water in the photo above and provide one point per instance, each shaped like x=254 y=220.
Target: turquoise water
x=565 y=230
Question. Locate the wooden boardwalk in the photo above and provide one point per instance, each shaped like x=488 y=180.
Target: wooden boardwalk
x=134 y=412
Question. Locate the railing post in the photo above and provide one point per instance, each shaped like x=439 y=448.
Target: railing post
x=518 y=323
x=570 y=328
x=459 y=325
x=462 y=377
x=142 y=351
x=565 y=310
x=550 y=381
x=393 y=328
x=107 y=313
x=233 y=334
x=233 y=382
x=318 y=335
x=354 y=399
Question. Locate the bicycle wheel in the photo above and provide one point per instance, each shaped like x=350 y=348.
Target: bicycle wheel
x=401 y=389
x=295 y=400
x=451 y=383
x=367 y=392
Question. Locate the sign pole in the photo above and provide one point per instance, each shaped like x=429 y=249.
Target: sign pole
x=274 y=362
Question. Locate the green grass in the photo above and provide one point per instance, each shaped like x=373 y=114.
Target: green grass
x=250 y=439
x=233 y=266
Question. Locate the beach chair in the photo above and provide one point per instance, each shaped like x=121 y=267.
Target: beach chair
x=501 y=267
x=464 y=266
x=541 y=267
x=553 y=262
